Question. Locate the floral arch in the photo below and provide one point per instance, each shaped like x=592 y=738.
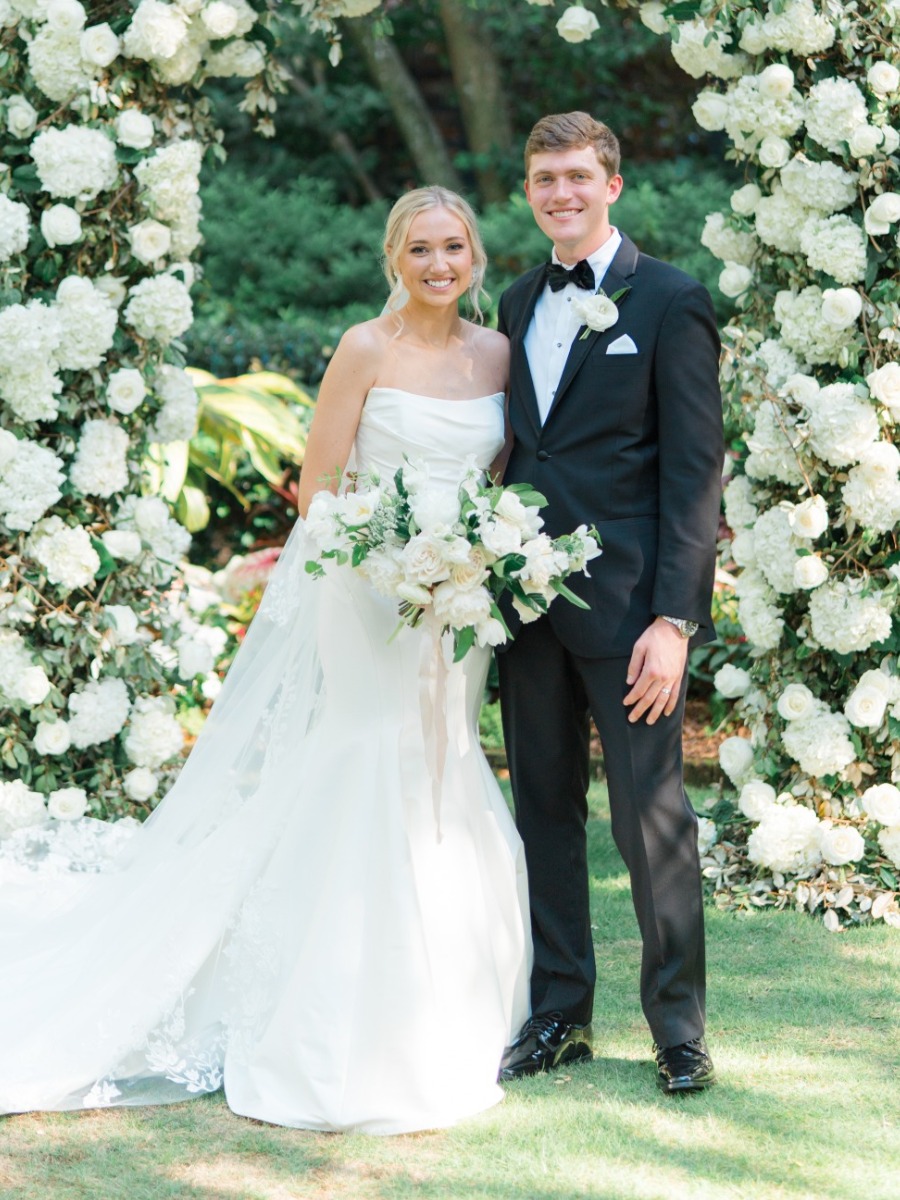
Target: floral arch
x=99 y=223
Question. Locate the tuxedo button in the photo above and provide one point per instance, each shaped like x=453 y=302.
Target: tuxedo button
x=542 y=456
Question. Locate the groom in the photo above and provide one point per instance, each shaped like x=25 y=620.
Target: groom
x=620 y=427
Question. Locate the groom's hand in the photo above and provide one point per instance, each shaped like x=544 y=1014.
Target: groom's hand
x=655 y=672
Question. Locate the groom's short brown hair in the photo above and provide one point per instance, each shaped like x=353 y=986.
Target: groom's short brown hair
x=571 y=131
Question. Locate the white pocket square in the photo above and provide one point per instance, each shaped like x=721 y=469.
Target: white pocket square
x=622 y=345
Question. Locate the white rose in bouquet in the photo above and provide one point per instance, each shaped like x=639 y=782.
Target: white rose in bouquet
x=577 y=24
x=459 y=607
x=736 y=758
x=21 y=117
x=98 y=711
x=434 y=509
x=881 y=803
x=731 y=682
x=882 y=213
x=99 y=45
x=884 y=385
x=67 y=804
x=52 y=737
x=384 y=569
x=526 y=613
x=125 y=390
x=883 y=78
x=150 y=240
x=425 y=559
x=473 y=572
x=787 y=839
x=140 y=784
x=809 y=572
x=60 y=225
x=510 y=508
x=500 y=537
x=841 y=844
x=841 y=307
x=756 y=797
x=796 y=702
x=134 y=129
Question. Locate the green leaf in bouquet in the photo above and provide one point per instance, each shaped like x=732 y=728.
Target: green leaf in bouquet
x=506 y=566
x=526 y=493
x=314 y=568
x=359 y=554
x=107 y=562
x=560 y=588
x=463 y=641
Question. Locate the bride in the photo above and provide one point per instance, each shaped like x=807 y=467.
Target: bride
x=313 y=910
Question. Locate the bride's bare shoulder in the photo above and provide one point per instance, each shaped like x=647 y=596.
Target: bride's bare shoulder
x=489 y=344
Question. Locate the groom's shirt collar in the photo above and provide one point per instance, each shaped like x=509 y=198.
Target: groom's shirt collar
x=554 y=326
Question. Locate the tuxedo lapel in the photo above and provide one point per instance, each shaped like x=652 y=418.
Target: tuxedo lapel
x=522 y=383
x=620 y=272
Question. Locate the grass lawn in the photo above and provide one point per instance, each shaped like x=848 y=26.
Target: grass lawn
x=804 y=1027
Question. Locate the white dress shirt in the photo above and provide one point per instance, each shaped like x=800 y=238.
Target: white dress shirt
x=554 y=326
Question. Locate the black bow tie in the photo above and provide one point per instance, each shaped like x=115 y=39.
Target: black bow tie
x=582 y=275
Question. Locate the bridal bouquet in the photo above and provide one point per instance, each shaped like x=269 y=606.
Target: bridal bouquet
x=451 y=552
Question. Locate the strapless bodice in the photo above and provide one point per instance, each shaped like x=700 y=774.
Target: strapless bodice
x=445 y=434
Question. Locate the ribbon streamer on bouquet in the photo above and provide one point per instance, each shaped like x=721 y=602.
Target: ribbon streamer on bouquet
x=442 y=703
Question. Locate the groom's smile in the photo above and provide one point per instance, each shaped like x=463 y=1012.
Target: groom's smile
x=570 y=194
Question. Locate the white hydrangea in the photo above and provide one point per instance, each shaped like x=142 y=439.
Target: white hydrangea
x=797 y=28
x=32 y=391
x=779 y=219
x=100 y=466
x=731 y=245
x=779 y=361
x=774 y=548
x=160 y=308
x=87 y=324
x=74 y=163
x=157 y=31
x=740 y=505
x=759 y=616
x=15 y=664
x=185 y=62
x=872 y=494
x=731 y=681
x=834 y=108
x=845 y=619
x=56 y=65
x=752 y=115
x=238 y=58
x=823 y=186
x=20 y=807
x=186 y=236
x=98 y=712
x=787 y=839
x=170 y=179
x=835 y=245
x=177 y=419
x=219 y=18
x=31 y=478
x=154 y=735
x=773 y=445
x=841 y=424
x=799 y=317
x=65 y=553
x=15 y=226
x=149 y=517
x=700 y=51
x=820 y=743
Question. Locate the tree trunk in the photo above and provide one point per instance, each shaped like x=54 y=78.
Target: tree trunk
x=416 y=124
x=482 y=97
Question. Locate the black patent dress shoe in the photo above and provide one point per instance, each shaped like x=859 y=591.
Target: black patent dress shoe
x=545 y=1041
x=684 y=1068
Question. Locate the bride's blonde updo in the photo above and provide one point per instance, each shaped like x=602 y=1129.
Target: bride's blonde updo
x=396 y=232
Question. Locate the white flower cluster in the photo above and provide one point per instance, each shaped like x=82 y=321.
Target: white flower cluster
x=740 y=503
x=834 y=109
x=144 y=522
x=75 y=163
x=847 y=618
x=835 y=245
x=841 y=425
x=21 y=681
x=29 y=339
x=154 y=735
x=758 y=613
x=700 y=51
x=100 y=466
x=160 y=308
x=177 y=419
x=779 y=218
x=98 y=711
x=170 y=183
x=872 y=490
x=87 y=322
x=31 y=478
x=725 y=242
x=773 y=445
x=20 y=807
x=815 y=737
x=804 y=329
x=867 y=705
x=823 y=186
x=795 y=27
x=64 y=552
x=175 y=39
x=15 y=225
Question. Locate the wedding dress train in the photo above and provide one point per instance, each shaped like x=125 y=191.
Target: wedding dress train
x=332 y=889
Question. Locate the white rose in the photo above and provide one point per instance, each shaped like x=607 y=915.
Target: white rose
x=425 y=560
x=65 y=16
x=842 y=844
x=60 y=225
x=211 y=687
x=490 y=632
x=809 y=519
x=756 y=796
x=577 y=24
x=710 y=111
x=882 y=213
x=736 y=758
x=32 y=685
x=883 y=78
x=219 y=19
x=866 y=706
x=434 y=508
x=776 y=82
x=864 y=141
x=735 y=279
x=140 y=784
x=596 y=312
x=21 y=117
x=99 y=45
x=732 y=682
x=809 y=572
x=150 y=240
x=125 y=390
x=707 y=835
x=134 y=129
x=67 y=804
x=881 y=803
x=112 y=288
x=796 y=702
x=745 y=199
x=774 y=151
x=123 y=544
x=841 y=307
x=891 y=139
x=884 y=384
x=52 y=737
x=500 y=537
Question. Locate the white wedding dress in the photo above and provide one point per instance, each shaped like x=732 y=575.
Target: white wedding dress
x=327 y=914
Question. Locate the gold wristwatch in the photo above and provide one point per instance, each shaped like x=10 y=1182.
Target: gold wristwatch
x=687 y=629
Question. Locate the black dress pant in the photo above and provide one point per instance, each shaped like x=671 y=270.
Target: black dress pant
x=548 y=696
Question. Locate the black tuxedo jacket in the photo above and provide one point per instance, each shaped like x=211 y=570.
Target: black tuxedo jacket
x=632 y=444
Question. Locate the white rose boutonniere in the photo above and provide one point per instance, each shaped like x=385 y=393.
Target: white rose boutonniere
x=599 y=312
